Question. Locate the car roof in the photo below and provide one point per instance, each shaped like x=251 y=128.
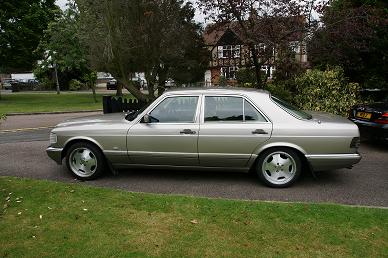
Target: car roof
x=218 y=90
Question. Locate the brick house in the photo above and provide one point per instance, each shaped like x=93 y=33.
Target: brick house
x=228 y=53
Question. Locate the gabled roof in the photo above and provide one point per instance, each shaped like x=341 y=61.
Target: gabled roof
x=214 y=33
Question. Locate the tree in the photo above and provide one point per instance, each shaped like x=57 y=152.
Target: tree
x=62 y=47
x=354 y=35
x=154 y=37
x=265 y=25
x=21 y=26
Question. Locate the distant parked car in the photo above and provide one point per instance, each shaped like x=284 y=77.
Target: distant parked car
x=111 y=85
x=7 y=84
x=220 y=129
x=372 y=119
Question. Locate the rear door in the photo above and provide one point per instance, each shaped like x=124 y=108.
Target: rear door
x=231 y=128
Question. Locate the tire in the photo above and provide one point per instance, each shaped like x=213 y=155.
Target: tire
x=279 y=167
x=85 y=161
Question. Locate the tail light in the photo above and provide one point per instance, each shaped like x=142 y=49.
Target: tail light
x=383 y=119
x=355 y=142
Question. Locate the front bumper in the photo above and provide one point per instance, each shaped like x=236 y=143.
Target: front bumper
x=332 y=161
x=55 y=154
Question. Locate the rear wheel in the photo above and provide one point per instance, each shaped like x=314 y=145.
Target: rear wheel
x=85 y=161
x=279 y=167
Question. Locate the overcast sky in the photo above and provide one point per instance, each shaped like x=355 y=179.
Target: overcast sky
x=199 y=17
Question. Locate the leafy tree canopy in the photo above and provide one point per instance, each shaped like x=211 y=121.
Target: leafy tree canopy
x=354 y=35
x=22 y=24
x=154 y=37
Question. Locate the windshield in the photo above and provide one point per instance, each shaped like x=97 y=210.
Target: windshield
x=133 y=114
x=292 y=109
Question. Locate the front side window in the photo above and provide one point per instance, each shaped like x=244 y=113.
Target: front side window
x=176 y=110
x=236 y=109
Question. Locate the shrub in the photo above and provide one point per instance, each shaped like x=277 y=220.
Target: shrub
x=75 y=85
x=2 y=117
x=222 y=81
x=246 y=77
x=326 y=91
x=280 y=90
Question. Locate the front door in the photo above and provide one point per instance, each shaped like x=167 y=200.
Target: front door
x=231 y=129
x=171 y=137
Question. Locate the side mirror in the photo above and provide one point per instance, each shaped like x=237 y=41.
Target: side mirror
x=146 y=119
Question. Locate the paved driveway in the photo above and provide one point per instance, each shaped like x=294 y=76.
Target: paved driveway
x=23 y=154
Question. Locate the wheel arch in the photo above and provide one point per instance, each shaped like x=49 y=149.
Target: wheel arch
x=299 y=151
x=74 y=140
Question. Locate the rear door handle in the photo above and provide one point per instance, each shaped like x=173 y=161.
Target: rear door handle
x=259 y=131
x=187 y=131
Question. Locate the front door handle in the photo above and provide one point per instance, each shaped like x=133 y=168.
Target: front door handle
x=259 y=131
x=187 y=131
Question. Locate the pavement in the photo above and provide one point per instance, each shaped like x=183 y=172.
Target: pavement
x=22 y=154
x=26 y=122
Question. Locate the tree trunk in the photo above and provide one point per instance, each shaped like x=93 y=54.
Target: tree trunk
x=257 y=66
x=133 y=90
x=119 y=90
x=93 y=86
x=162 y=77
x=150 y=78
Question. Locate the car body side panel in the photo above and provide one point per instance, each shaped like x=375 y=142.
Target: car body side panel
x=163 y=144
x=230 y=144
x=109 y=137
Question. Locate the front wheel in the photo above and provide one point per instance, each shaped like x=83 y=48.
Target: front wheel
x=279 y=167
x=85 y=161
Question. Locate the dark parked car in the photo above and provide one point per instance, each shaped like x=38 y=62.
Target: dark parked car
x=372 y=119
x=7 y=84
x=111 y=85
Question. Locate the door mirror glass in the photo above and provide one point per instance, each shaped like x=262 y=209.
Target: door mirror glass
x=146 y=119
x=149 y=119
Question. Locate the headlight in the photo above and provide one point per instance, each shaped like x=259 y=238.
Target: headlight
x=53 y=138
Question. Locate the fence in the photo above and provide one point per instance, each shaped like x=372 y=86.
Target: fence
x=113 y=104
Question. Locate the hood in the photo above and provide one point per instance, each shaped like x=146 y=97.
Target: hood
x=94 y=119
x=325 y=117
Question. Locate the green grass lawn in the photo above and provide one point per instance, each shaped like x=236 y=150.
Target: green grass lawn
x=50 y=219
x=48 y=102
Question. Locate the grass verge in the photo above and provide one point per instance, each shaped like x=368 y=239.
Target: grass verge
x=48 y=102
x=49 y=219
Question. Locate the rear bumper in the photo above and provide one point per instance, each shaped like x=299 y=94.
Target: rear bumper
x=332 y=161
x=55 y=154
x=371 y=129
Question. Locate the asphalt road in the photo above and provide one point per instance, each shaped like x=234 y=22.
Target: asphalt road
x=23 y=154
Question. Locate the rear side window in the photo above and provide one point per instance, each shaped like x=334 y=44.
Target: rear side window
x=291 y=109
x=236 y=109
x=251 y=113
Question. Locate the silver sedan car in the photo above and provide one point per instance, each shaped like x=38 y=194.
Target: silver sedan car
x=214 y=129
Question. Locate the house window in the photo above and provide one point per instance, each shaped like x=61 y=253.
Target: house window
x=229 y=51
x=229 y=72
x=295 y=46
x=260 y=48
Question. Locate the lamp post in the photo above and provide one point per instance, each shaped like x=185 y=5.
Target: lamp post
x=56 y=77
x=52 y=64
